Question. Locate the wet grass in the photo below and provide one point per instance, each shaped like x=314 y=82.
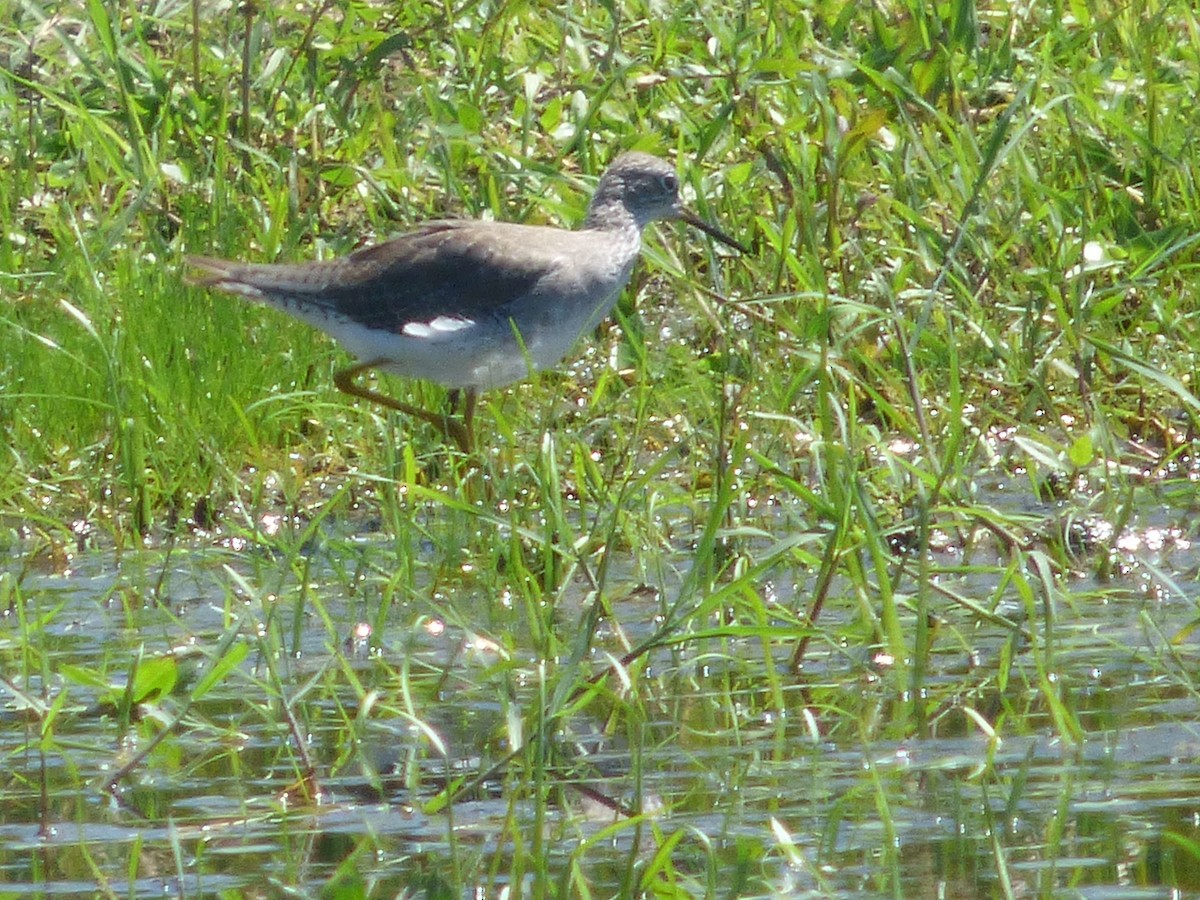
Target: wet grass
x=799 y=537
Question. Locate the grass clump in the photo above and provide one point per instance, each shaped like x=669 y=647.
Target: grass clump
x=789 y=522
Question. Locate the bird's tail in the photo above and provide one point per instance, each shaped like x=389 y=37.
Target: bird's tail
x=277 y=283
x=224 y=275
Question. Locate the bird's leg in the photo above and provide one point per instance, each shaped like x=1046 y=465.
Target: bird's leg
x=469 y=410
x=456 y=431
x=465 y=396
x=468 y=398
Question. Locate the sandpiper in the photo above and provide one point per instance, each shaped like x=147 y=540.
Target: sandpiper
x=468 y=304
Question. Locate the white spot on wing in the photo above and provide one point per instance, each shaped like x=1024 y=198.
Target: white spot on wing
x=440 y=325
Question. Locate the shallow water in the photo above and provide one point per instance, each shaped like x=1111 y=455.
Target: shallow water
x=756 y=781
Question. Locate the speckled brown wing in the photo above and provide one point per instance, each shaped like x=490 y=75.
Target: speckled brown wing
x=447 y=268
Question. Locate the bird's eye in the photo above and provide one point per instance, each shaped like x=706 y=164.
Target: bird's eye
x=670 y=181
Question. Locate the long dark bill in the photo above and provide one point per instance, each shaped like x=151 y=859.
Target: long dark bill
x=712 y=231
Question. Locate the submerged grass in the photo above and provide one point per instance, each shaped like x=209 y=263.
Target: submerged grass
x=740 y=545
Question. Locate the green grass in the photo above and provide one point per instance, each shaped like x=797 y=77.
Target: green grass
x=975 y=243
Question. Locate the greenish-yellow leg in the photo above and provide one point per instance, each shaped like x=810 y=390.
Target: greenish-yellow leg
x=459 y=432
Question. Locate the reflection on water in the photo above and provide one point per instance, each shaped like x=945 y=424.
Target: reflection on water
x=1052 y=744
